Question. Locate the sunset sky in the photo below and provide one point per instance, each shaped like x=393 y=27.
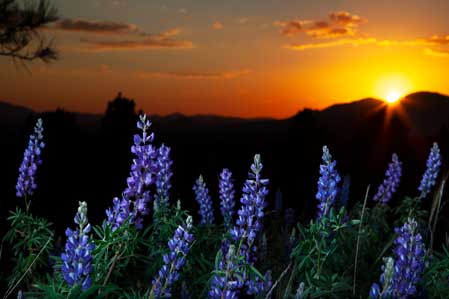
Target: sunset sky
x=243 y=58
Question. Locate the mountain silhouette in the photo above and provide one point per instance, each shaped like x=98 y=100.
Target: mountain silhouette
x=87 y=156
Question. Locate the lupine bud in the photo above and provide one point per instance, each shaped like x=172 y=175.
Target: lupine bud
x=327 y=184
x=433 y=168
x=227 y=202
x=26 y=182
x=386 y=280
x=163 y=176
x=391 y=182
x=77 y=258
x=203 y=198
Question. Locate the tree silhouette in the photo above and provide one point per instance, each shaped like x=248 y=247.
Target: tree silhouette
x=19 y=30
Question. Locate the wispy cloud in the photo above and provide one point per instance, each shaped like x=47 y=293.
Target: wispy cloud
x=97 y=27
x=439 y=40
x=148 y=43
x=337 y=24
x=197 y=75
x=358 y=42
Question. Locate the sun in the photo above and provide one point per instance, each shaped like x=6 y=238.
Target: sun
x=393 y=96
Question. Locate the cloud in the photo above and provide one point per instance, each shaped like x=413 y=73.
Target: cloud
x=148 y=43
x=439 y=40
x=357 y=42
x=338 y=24
x=346 y=19
x=217 y=25
x=197 y=75
x=97 y=27
x=138 y=41
x=436 y=52
x=334 y=43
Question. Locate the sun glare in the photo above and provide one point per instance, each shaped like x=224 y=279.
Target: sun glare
x=392 y=96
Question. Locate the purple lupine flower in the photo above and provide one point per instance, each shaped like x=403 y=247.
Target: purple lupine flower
x=433 y=168
x=26 y=182
x=227 y=202
x=136 y=196
x=179 y=247
x=391 y=181
x=163 y=176
x=244 y=233
x=409 y=262
x=384 y=290
x=77 y=258
x=327 y=184
x=203 y=198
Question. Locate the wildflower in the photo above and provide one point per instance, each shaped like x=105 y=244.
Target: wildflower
x=77 y=258
x=227 y=201
x=430 y=175
x=163 y=176
x=136 y=196
x=248 y=224
x=386 y=280
x=179 y=247
x=327 y=184
x=409 y=265
x=203 y=198
x=391 y=182
x=26 y=182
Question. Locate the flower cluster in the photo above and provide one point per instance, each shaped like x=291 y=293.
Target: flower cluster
x=386 y=280
x=227 y=202
x=179 y=247
x=136 y=196
x=327 y=184
x=77 y=258
x=26 y=182
x=203 y=198
x=244 y=233
x=391 y=182
x=433 y=168
x=409 y=264
x=163 y=176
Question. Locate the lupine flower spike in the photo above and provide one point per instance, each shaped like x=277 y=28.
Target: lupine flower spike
x=26 y=182
x=244 y=233
x=409 y=260
x=77 y=258
x=327 y=184
x=136 y=196
x=433 y=168
x=179 y=247
x=384 y=290
x=203 y=198
x=391 y=181
x=227 y=201
x=163 y=176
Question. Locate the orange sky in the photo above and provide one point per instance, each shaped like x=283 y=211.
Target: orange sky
x=255 y=58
